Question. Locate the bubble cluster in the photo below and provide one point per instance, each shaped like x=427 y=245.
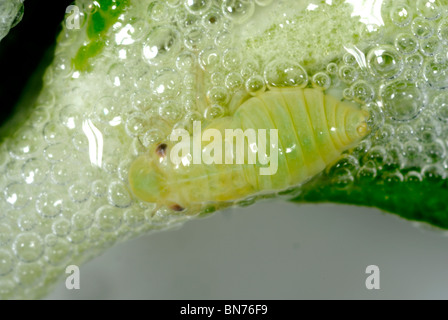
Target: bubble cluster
x=163 y=65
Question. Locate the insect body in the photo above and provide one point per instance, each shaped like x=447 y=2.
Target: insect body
x=313 y=131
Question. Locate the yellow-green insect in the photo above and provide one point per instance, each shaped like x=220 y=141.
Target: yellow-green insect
x=314 y=129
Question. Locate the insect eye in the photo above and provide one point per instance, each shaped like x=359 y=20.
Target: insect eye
x=161 y=150
x=176 y=207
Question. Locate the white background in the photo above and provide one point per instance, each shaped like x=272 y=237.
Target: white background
x=274 y=250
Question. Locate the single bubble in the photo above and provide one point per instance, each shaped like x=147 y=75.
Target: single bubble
x=440 y=104
x=26 y=222
x=197 y=6
x=58 y=253
x=49 y=204
x=166 y=84
x=195 y=38
x=231 y=59
x=436 y=74
x=161 y=44
x=442 y=31
x=401 y=15
x=406 y=43
x=107 y=110
x=238 y=11
x=23 y=143
x=349 y=59
x=348 y=74
x=435 y=151
x=362 y=92
x=377 y=155
x=5 y=234
x=108 y=218
x=255 y=85
x=158 y=11
x=118 y=195
x=347 y=94
x=118 y=75
x=172 y=3
x=422 y=28
x=82 y=220
x=263 y=3
x=218 y=95
x=430 y=47
x=368 y=172
x=321 y=80
x=212 y=20
x=209 y=59
x=403 y=101
x=186 y=61
x=134 y=218
x=429 y=9
x=404 y=132
x=170 y=110
x=141 y=100
x=6 y=262
x=433 y=173
x=384 y=134
x=413 y=177
x=233 y=81
x=284 y=73
x=385 y=62
x=61 y=227
x=214 y=112
x=28 y=247
x=17 y=195
x=332 y=68
x=63 y=172
x=70 y=117
x=135 y=124
x=79 y=192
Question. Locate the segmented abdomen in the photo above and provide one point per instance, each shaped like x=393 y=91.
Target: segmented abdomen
x=312 y=130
